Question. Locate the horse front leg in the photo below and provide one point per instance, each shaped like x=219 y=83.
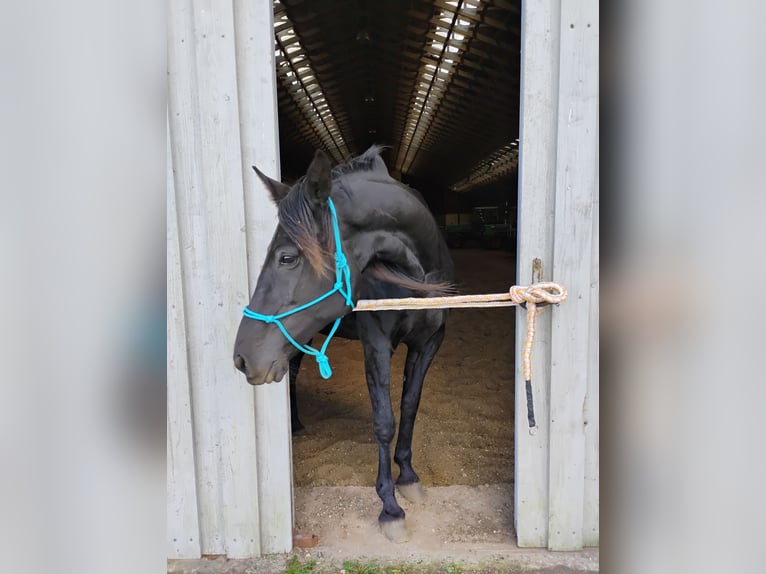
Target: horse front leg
x=295 y=365
x=377 y=371
x=415 y=368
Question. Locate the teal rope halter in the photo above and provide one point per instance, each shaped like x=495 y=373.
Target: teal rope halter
x=342 y=286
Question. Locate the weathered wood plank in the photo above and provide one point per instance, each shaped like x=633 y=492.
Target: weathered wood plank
x=204 y=116
x=183 y=114
x=591 y=502
x=182 y=521
x=573 y=244
x=260 y=146
x=537 y=169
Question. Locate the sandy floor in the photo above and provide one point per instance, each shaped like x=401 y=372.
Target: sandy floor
x=464 y=429
x=467 y=525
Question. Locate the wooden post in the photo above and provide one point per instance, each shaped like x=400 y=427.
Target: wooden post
x=241 y=469
x=572 y=338
x=591 y=414
x=556 y=481
x=182 y=521
x=534 y=261
x=260 y=147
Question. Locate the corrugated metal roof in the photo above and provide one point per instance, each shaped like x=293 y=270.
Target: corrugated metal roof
x=437 y=81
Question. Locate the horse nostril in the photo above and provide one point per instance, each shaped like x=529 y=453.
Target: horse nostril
x=239 y=362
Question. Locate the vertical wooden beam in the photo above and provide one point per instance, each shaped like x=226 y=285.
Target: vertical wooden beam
x=183 y=116
x=205 y=137
x=537 y=179
x=260 y=146
x=591 y=508
x=182 y=522
x=571 y=343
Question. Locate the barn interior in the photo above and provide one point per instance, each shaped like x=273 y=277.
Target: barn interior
x=435 y=80
x=437 y=83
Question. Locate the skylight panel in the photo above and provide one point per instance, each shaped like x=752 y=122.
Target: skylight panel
x=295 y=72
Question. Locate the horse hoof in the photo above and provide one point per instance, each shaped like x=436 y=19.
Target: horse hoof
x=395 y=530
x=413 y=492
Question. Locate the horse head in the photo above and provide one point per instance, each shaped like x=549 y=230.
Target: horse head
x=301 y=287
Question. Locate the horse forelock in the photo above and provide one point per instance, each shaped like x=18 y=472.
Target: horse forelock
x=309 y=228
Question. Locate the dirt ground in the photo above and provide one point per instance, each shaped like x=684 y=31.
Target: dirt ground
x=471 y=526
x=464 y=429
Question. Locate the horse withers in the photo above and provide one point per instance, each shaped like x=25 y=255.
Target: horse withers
x=389 y=246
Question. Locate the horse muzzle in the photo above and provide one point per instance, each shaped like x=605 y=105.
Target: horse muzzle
x=259 y=375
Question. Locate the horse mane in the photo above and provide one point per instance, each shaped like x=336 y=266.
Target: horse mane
x=370 y=160
x=310 y=228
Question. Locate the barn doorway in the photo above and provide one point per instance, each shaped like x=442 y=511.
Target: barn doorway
x=439 y=94
x=438 y=82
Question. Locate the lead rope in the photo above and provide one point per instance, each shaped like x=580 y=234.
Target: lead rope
x=552 y=293
x=529 y=297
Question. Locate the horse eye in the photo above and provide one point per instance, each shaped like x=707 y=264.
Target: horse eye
x=287 y=259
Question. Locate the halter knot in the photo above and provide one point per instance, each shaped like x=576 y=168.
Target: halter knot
x=324 y=365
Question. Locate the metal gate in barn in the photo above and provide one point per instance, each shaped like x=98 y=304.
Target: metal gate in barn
x=229 y=462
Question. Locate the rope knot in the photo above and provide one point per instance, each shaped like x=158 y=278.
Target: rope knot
x=258 y=317
x=324 y=365
x=340 y=260
x=549 y=292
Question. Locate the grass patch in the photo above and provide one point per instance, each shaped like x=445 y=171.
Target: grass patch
x=356 y=567
x=295 y=566
x=311 y=566
x=372 y=567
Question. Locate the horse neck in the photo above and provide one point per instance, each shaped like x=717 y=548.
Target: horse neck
x=384 y=222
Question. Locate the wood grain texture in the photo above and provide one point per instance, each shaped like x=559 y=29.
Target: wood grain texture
x=573 y=251
x=591 y=502
x=257 y=93
x=537 y=169
x=182 y=522
x=205 y=144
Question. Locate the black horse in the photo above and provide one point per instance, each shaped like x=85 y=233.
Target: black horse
x=394 y=249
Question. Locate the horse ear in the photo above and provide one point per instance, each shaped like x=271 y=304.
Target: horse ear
x=319 y=178
x=277 y=189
